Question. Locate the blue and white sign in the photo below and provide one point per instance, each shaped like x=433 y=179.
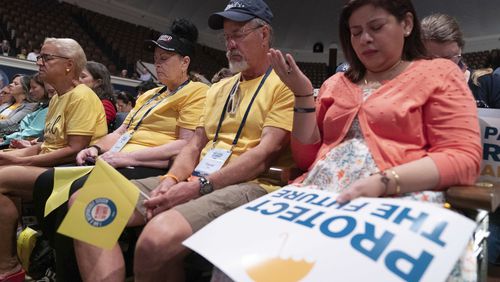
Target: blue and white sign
x=489 y=120
x=299 y=234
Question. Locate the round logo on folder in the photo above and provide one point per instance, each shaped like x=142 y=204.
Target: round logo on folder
x=100 y=212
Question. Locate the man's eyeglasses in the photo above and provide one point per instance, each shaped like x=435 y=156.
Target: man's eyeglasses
x=454 y=58
x=49 y=57
x=238 y=35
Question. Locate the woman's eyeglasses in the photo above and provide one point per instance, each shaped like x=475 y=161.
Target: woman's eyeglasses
x=49 y=57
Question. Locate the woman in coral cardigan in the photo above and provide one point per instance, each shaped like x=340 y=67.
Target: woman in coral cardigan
x=394 y=124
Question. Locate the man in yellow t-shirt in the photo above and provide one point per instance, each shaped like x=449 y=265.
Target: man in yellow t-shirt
x=244 y=129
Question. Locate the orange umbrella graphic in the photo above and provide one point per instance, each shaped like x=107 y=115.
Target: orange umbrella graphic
x=262 y=269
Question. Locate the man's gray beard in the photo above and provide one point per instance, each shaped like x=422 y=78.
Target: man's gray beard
x=237 y=67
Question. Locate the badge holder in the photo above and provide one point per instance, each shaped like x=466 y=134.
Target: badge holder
x=213 y=161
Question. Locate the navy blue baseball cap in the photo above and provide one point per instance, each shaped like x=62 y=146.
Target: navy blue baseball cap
x=241 y=11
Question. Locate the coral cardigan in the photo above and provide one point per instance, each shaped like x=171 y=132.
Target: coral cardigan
x=428 y=110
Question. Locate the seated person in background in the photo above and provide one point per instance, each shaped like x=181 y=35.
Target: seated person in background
x=221 y=74
x=5 y=48
x=125 y=102
x=33 y=54
x=32 y=125
x=124 y=73
x=180 y=203
x=20 y=143
x=363 y=138
x=144 y=86
x=443 y=39
x=5 y=98
x=145 y=75
x=20 y=104
x=162 y=122
x=196 y=76
x=96 y=76
x=75 y=119
x=23 y=54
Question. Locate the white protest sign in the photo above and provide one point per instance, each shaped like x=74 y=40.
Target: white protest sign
x=299 y=234
x=489 y=120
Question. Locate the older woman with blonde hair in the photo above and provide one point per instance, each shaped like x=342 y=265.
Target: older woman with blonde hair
x=75 y=119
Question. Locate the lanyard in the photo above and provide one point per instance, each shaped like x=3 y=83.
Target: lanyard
x=243 y=121
x=154 y=106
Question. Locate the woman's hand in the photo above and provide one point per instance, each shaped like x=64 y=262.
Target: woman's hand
x=288 y=71
x=20 y=143
x=83 y=155
x=370 y=186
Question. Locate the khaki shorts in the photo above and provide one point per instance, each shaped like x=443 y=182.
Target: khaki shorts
x=201 y=211
x=146 y=185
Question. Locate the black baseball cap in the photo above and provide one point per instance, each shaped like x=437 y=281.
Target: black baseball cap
x=241 y=11
x=172 y=43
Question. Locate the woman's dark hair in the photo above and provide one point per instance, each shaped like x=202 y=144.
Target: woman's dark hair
x=494 y=59
x=104 y=90
x=413 y=47
x=25 y=83
x=187 y=33
x=184 y=29
x=145 y=86
x=36 y=78
x=126 y=98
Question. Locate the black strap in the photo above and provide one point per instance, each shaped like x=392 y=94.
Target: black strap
x=243 y=121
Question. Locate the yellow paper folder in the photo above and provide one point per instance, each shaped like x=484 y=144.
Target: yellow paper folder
x=102 y=207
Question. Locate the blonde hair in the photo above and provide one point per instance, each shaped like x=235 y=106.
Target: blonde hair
x=478 y=73
x=71 y=49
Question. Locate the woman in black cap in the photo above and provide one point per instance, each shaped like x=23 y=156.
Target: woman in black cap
x=161 y=123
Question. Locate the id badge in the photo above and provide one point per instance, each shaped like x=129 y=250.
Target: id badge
x=212 y=162
x=120 y=143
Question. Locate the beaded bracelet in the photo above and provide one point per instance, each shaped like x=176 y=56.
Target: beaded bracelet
x=396 y=179
x=385 y=180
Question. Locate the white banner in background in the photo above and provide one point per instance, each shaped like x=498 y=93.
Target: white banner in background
x=489 y=120
x=301 y=234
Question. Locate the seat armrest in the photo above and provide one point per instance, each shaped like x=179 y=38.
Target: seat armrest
x=485 y=196
x=281 y=176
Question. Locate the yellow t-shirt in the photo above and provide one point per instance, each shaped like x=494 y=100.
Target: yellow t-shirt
x=77 y=112
x=273 y=106
x=161 y=125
